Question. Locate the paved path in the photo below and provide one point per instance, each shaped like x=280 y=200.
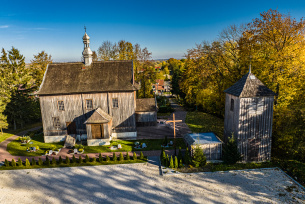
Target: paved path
x=142 y=183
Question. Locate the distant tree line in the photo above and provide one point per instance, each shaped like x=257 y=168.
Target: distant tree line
x=274 y=44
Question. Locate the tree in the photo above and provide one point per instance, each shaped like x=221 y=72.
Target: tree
x=108 y=51
x=199 y=159
x=231 y=154
x=38 y=67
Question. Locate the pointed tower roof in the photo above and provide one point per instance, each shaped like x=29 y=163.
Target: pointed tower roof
x=86 y=37
x=249 y=86
x=99 y=116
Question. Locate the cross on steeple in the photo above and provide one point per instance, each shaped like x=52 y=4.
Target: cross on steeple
x=85 y=28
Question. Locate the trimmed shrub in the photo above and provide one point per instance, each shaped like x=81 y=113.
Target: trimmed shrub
x=60 y=160
x=171 y=164
x=47 y=161
x=53 y=161
x=33 y=162
x=40 y=162
x=87 y=159
x=19 y=162
x=114 y=158
x=176 y=162
x=180 y=155
x=187 y=158
x=93 y=159
x=107 y=159
x=180 y=163
x=7 y=164
x=67 y=160
x=141 y=156
x=199 y=159
x=80 y=159
x=167 y=161
x=13 y=163
x=127 y=156
x=100 y=158
x=27 y=162
x=121 y=157
x=134 y=156
x=73 y=159
x=231 y=154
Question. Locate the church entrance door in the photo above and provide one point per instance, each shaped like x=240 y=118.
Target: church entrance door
x=71 y=128
x=97 y=131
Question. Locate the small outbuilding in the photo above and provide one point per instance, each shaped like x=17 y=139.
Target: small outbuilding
x=146 y=112
x=208 y=142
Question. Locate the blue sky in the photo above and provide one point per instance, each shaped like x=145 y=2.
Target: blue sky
x=166 y=28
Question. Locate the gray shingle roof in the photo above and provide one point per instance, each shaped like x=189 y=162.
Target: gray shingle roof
x=146 y=105
x=68 y=78
x=249 y=86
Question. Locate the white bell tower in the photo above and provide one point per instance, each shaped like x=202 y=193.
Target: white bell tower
x=87 y=53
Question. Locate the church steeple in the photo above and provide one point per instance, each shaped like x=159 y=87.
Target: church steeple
x=87 y=53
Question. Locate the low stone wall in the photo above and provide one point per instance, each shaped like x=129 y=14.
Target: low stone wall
x=98 y=142
x=53 y=139
x=122 y=135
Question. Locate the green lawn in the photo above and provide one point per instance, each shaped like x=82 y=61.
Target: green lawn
x=204 y=122
x=8 y=133
x=17 y=149
x=128 y=145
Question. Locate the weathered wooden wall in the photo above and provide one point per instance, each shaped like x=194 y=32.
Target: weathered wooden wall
x=146 y=118
x=75 y=110
x=253 y=129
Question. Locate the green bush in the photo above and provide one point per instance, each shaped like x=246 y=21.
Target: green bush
x=27 y=162
x=121 y=157
x=47 y=161
x=231 y=154
x=67 y=160
x=114 y=158
x=180 y=155
x=40 y=162
x=93 y=159
x=13 y=163
x=199 y=159
x=19 y=162
x=171 y=164
x=53 y=161
x=141 y=156
x=80 y=159
x=176 y=163
x=134 y=156
x=59 y=160
x=180 y=163
x=167 y=161
x=87 y=159
x=107 y=159
x=7 y=164
x=73 y=159
x=100 y=158
x=33 y=162
x=187 y=157
x=127 y=156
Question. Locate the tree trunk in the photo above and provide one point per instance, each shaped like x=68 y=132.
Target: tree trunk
x=15 y=125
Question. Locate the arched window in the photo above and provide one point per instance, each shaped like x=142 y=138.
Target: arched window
x=232 y=105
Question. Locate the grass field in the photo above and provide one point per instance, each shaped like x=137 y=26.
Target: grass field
x=17 y=149
x=204 y=122
x=9 y=133
x=128 y=145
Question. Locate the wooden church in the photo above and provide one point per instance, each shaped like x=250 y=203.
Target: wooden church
x=93 y=101
x=248 y=116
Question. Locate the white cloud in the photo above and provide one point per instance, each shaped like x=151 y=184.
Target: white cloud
x=4 y=26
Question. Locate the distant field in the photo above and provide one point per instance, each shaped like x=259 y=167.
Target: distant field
x=204 y=122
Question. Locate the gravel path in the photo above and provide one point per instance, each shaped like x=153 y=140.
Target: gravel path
x=141 y=183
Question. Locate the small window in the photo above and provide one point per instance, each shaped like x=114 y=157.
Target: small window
x=60 y=105
x=232 y=105
x=89 y=105
x=56 y=122
x=115 y=103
